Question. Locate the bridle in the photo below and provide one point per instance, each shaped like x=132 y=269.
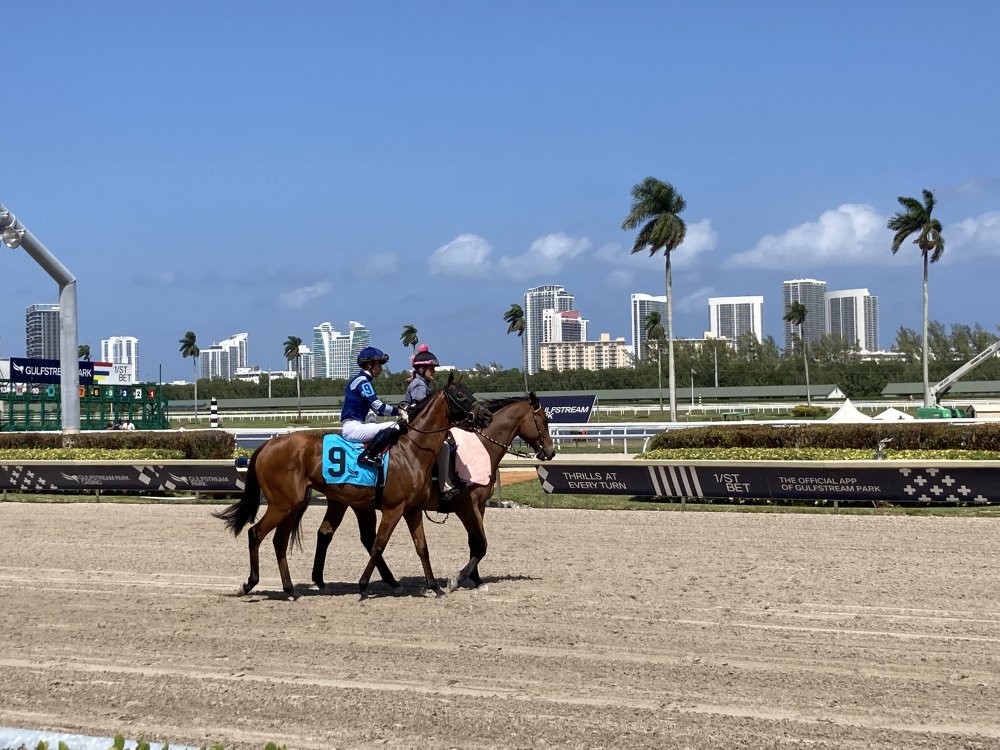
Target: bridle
x=454 y=402
x=507 y=447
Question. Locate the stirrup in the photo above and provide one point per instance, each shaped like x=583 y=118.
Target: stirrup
x=374 y=461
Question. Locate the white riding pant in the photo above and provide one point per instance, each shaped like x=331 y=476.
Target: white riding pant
x=363 y=432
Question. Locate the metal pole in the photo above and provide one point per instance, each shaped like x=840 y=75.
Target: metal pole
x=69 y=366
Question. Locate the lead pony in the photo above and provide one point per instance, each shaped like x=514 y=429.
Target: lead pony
x=286 y=468
x=519 y=417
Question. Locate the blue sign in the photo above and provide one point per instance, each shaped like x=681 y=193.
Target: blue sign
x=45 y=371
x=568 y=409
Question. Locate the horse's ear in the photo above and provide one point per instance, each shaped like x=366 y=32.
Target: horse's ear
x=451 y=377
x=532 y=398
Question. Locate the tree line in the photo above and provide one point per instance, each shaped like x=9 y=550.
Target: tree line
x=750 y=363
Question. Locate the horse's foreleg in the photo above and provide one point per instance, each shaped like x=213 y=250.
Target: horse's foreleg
x=390 y=517
x=415 y=520
x=324 y=535
x=366 y=527
x=468 y=514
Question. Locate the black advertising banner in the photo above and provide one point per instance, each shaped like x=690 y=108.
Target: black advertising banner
x=568 y=409
x=888 y=481
x=142 y=477
x=45 y=371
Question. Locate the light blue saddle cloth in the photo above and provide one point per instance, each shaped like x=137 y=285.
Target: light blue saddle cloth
x=340 y=463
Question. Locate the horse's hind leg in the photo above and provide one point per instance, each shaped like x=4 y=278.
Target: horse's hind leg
x=468 y=514
x=366 y=527
x=415 y=520
x=281 y=536
x=255 y=536
x=324 y=535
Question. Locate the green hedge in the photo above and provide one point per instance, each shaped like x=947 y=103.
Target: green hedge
x=197 y=444
x=917 y=435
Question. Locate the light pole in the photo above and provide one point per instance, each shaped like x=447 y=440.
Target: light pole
x=15 y=235
x=693 y=373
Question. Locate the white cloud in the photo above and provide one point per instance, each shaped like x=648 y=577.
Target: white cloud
x=466 y=255
x=469 y=255
x=851 y=233
x=297 y=298
x=974 y=237
x=548 y=254
x=699 y=239
x=696 y=301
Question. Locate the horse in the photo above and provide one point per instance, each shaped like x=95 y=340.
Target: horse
x=287 y=467
x=521 y=416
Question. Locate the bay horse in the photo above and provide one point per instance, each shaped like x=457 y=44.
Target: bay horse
x=287 y=467
x=518 y=417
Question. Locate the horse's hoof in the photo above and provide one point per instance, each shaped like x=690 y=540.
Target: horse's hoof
x=484 y=587
x=320 y=584
x=440 y=594
x=452 y=583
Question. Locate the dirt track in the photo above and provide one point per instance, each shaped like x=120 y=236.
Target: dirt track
x=600 y=629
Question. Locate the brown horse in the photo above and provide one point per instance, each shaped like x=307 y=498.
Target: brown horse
x=287 y=467
x=521 y=417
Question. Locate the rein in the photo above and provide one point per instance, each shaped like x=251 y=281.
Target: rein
x=507 y=446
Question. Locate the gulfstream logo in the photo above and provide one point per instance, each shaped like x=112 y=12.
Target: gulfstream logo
x=32 y=370
x=568 y=409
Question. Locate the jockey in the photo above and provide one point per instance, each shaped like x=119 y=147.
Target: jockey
x=360 y=399
x=424 y=364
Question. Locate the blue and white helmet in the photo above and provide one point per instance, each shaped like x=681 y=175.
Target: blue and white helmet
x=372 y=355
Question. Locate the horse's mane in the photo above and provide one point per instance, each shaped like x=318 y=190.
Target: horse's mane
x=495 y=404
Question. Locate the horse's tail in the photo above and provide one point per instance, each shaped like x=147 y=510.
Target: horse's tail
x=296 y=538
x=241 y=513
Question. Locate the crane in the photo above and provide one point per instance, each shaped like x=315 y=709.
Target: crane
x=939 y=389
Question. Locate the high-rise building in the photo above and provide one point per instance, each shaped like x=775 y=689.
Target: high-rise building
x=304 y=363
x=808 y=292
x=568 y=325
x=602 y=354
x=642 y=306
x=360 y=338
x=334 y=354
x=121 y=350
x=733 y=317
x=852 y=314
x=536 y=302
x=222 y=360
x=41 y=327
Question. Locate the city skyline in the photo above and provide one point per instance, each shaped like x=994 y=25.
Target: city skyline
x=332 y=353
x=484 y=150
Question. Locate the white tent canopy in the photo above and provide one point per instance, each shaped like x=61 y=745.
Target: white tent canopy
x=848 y=413
x=893 y=415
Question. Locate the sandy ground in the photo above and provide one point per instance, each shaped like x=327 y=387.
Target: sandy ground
x=599 y=629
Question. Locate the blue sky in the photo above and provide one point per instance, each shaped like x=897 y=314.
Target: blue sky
x=264 y=167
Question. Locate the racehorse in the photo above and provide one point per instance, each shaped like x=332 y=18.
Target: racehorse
x=287 y=467
x=523 y=417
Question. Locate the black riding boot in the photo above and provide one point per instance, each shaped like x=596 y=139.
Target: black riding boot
x=372 y=454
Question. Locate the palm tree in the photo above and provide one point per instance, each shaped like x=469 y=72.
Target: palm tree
x=190 y=349
x=514 y=318
x=916 y=217
x=658 y=204
x=83 y=352
x=409 y=336
x=292 y=344
x=654 y=332
x=795 y=314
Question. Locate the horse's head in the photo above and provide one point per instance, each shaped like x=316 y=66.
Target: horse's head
x=463 y=408
x=540 y=440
